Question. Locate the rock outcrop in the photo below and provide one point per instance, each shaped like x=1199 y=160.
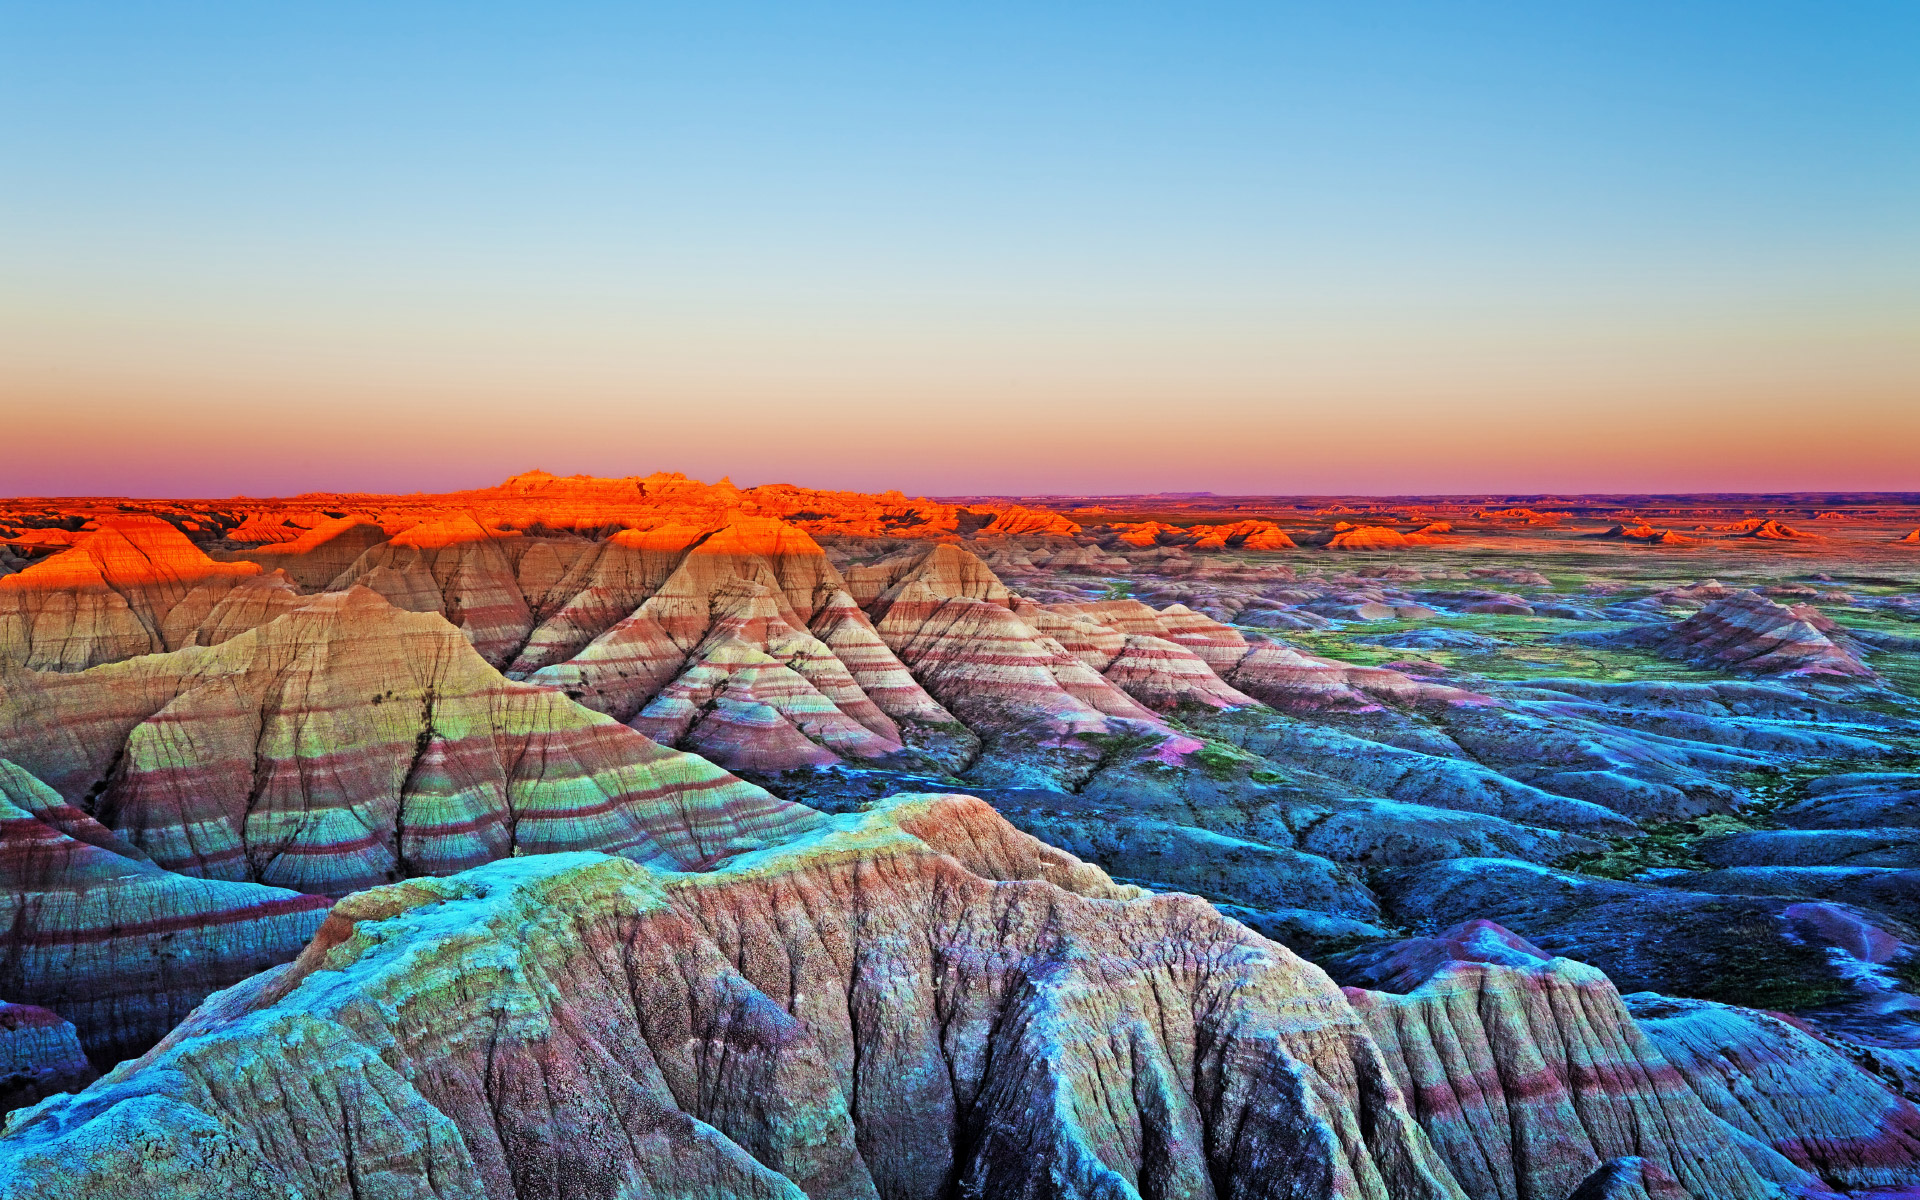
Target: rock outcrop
x=1243 y=535
x=135 y=585
x=916 y=1001
x=39 y=1055
x=1530 y=1077
x=745 y=645
x=1359 y=537
x=1767 y=529
x=1747 y=634
x=198 y=807
x=314 y=557
x=350 y=743
x=454 y=567
x=1787 y=1087
x=121 y=948
x=1648 y=535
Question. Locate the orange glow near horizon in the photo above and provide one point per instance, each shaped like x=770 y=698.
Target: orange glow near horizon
x=1488 y=407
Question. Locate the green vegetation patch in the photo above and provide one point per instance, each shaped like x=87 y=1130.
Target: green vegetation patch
x=1665 y=845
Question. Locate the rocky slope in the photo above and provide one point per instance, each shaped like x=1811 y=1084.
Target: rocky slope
x=1786 y=1086
x=344 y=744
x=118 y=946
x=1177 y=748
x=1701 y=787
x=40 y=1056
x=1531 y=1078
x=136 y=585
x=915 y=1002
x=1748 y=634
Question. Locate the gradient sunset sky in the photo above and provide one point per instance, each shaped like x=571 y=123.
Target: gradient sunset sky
x=1273 y=247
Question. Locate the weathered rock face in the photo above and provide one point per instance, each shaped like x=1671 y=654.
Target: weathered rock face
x=745 y=646
x=1182 y=737
x=918 y=1002
x=1748 y=634
x=259 y=527
x=39 y=1055
x=313 y=557
x=1366 y=537
x=342 y=745
x=1530 y=1077
x=1643 y=532
x=1244 y=535
x=1769 y=530
x=456 y=568
x=118 y=946
x=1784 y=1086
x=1016 y=521
x=135 y=586
x=350 y=743
x=601 y=586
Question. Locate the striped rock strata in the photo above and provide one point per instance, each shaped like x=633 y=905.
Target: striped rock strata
x=1748 y=634
x=260 y=528
x=1360 y=537
x=39 y=1055
x=1530 y=1077
x=342 y=745
x=1244 y=535
x=1772 y=1079
x=134 y=586
x=1246 y=672
x=454 y=567
x=349 y=743
x=1033 y=703
x=314 y=557
x=912 y=1002
x=747 y=647
x=123 y=949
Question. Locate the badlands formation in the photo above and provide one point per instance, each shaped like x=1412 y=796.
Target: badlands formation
x=642 y=837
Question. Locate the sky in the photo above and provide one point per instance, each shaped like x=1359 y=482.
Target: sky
x=1025 y=248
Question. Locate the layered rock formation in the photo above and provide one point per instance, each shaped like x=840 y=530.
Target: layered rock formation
x=349 y=743
x=1531 y=1078
x=1747 y=634
x=134 y=586
x=1647 y=534
x=1344 y=536
x=917 y=1002
x=314 y=557
x=454 y=567
x=95 y=931
x=742 y=643
x=342 y=745
x=920 y=1001
x=1324 y=747
x=1767 y=529
x=39 y=1055
x=1785 y=1086
x=1244 y=535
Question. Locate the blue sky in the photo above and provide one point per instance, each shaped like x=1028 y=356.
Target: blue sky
x=873 y=220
